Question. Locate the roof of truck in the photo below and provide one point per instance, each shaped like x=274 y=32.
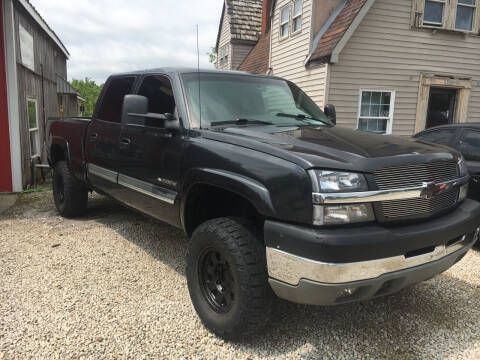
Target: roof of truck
x=180 y=70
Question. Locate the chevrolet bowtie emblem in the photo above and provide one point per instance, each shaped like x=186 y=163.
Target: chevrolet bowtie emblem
x=430 y=189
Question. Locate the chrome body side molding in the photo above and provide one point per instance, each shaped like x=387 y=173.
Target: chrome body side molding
x=102 y=172
x=426 y=190
x=145 y=188
x=155 y=191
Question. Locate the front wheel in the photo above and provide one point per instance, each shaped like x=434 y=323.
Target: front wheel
x=227 y=278
x=69 y=195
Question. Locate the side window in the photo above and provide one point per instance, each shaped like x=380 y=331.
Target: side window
x=158 y=90
x=469 y=145
x=442 y=137
x=32 y=113
x=111 y=107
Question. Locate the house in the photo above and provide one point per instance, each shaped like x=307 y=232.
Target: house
x=33 y=86
x=389 y=66
x=238 y=32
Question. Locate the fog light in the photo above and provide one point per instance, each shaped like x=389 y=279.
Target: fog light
x=463 y=192
x=476 y=236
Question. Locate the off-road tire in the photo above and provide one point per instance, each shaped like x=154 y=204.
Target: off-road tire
x=69 y=195
x=238 y=243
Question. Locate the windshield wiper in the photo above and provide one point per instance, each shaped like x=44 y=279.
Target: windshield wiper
x=299 y=117
x=240 y=121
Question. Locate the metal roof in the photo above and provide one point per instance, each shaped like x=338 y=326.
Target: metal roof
x=64 y=87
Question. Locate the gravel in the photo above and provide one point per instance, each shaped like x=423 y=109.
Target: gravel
x=112 y=285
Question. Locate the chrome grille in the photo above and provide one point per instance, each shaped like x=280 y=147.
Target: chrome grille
x=395 y=209
x=414 y=175
x=396 y=177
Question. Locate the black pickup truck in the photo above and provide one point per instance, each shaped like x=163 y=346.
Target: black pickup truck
x=274 y=197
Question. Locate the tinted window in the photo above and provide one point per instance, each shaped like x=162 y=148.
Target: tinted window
x=469 y=145
x=159 y=92
x=442 y=137
x=111 y=108
x=230 y=97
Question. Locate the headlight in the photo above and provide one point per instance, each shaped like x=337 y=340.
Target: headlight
x=342 y=214
x=326 y=181
x=462 y=167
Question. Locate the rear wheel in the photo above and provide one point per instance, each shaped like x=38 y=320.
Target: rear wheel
x=69 y=195
x=227 y=278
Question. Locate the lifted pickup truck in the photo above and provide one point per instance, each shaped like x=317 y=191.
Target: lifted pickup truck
x=274 y=197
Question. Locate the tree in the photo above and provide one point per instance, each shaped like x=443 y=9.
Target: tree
x=88 y=90
x=212 y=56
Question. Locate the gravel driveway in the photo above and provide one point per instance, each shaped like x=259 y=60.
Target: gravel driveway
x=112 y=285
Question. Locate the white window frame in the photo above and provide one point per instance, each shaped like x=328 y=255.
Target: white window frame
x=444 y=15
x=474 y=20
x=289 y=8
x=392 y=108
x=294 y=17
x=33 y=131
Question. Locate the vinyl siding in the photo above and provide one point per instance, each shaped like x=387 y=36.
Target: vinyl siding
x=386 y=53
x=225 y=38
x=288 y=55
x=239 y=53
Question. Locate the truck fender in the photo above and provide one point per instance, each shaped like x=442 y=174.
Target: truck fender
x=63 y=143
x=250 y=189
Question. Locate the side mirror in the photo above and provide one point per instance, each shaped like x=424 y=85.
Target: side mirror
x=135 y=107
x=331 y=114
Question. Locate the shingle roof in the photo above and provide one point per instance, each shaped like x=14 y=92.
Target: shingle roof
x=337 y=29
x=257 y=60
x=245 y=19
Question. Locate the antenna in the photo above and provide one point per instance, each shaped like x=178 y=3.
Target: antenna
x=199 y=87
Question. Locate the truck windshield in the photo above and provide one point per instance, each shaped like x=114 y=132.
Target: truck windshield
x=248 y=101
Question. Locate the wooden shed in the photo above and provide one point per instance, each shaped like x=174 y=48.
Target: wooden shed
x=33 y=73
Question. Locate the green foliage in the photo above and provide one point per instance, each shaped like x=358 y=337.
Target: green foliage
x=212 y=56
x=88 y=90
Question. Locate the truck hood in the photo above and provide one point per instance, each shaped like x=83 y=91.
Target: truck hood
x=334 y=147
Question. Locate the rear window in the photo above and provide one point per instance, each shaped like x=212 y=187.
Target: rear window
x=111 y=107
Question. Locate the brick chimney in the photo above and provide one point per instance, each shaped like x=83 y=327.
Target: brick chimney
x=267 y=5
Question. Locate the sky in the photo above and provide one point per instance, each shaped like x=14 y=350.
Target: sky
x=111 y=36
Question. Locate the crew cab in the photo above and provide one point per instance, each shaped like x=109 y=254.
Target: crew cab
x=275 y=198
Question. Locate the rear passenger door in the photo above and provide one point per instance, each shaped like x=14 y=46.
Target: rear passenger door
x=150 y=155
x=103 y=135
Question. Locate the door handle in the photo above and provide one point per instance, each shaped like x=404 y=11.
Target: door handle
x=125 y=143
x=93 y=137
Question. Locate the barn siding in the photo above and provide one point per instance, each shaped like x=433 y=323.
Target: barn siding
x=49 y=57
x=288 y=55
x=384 y=52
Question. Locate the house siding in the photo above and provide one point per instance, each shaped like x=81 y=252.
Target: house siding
x=385 y=53
x=225 y=38
x=288 y=55
x=239 y=53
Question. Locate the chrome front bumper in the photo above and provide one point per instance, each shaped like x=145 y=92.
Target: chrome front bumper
x=307 y=281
